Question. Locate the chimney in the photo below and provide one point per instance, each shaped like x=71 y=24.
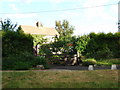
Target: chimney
x=38 y=24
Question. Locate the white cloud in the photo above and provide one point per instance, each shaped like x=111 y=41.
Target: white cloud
x=114 y=8
x=56 y=1
x=100 y=13
x=28 y=1
x=69 y=14
x=86 y=29
x=12 y=0
x=94 y=12
x=90 y=3
x=20 y=15
x=22 y=1
x=13 y=6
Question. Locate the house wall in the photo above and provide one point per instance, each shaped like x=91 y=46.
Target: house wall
x=50 y=38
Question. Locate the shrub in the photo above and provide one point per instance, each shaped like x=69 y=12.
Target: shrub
x=104 y=63
x=108 y=62
x=40 y=60
x=8 y=63
x=88 y=62
x=103 y=53
x=15 y=43
x=23 y=62
x=100 y=45
x=82 y=43
x=22 y=65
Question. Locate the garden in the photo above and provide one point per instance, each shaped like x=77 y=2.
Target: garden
x=94 y=49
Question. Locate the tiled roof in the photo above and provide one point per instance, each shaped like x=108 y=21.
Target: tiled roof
x=41 y=30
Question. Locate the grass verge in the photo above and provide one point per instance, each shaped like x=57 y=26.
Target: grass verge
x=61 y=79
x=108 y=62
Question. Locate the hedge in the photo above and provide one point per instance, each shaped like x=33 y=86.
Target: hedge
x=17 y=52
x=15 y=43
x=100 y=45
x=22 y=62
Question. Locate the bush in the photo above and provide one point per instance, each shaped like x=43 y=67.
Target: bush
x=104 y=63
x=108 y=61
x=104 y=53
x=22 y=65
x=88 y=62
x=40 y=60
x=82 y=43
x=100 y=45
x=101 y=53
x=23 y=62
x=15 y=43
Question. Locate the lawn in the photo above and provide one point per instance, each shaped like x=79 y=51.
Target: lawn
x=109 y=62
x=61 y=79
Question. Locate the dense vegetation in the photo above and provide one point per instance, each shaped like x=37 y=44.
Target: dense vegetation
x=65 y=42
x=15 y=43
x=17 y=49
x=18 y=52
x=99 y=46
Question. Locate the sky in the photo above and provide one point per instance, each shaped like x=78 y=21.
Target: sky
x=85 y=20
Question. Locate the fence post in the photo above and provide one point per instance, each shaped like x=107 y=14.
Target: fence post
x=75 y=59
x=113 y=67
x=90 y=67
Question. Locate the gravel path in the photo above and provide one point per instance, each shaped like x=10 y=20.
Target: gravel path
x=56 y=67
x=66 y=68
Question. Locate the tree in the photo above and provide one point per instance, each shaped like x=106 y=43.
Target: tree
x=38 y=40
x=82 y=43
x=7 y=25
x=64 y=42
x=64 y=29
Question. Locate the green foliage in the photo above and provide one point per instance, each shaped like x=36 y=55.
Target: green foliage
x=7 y=25
x=61 y=42
x=56 y=59
x=108 y=62
x=15 y=43
x=88 y=62
x=104 y=45
x=82 y=43
x=22 y=65
x=22 y=62
x=38 y=39
x=45 y=50
x=100 y=46
x=104 y=53
x=39 y=60
x=104 y=63
x=64 y=29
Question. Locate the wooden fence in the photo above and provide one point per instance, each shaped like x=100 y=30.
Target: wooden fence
x=65 y=59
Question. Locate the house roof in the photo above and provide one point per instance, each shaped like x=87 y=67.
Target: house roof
x=41 y=30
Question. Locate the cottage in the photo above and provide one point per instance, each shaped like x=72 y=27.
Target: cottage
x=39 y=29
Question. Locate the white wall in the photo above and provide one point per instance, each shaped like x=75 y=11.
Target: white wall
x=50 y=38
